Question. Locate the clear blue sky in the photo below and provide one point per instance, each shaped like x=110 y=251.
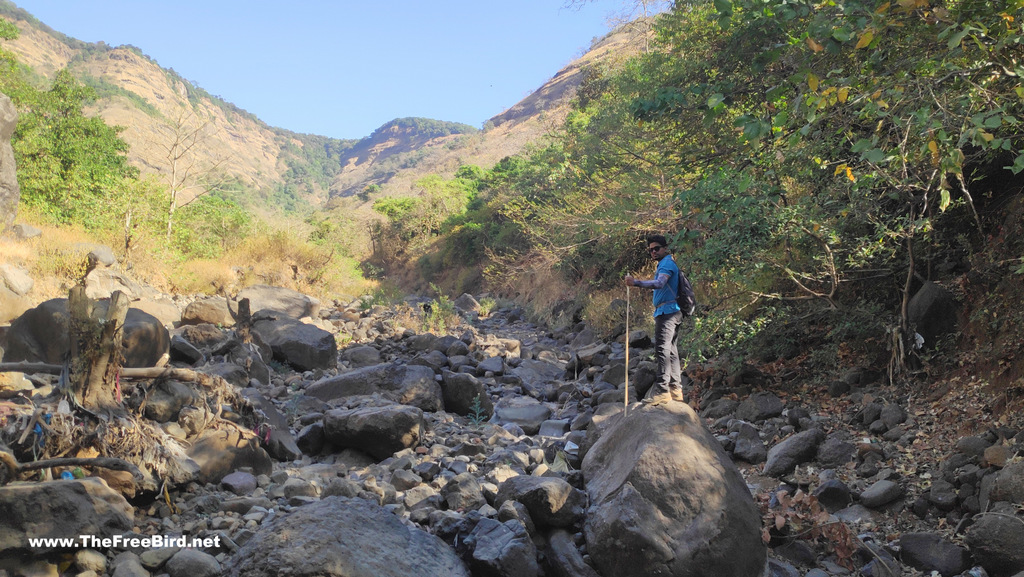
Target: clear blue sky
x=342 y=68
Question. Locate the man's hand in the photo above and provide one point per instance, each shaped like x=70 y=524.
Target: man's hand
x=629 y=281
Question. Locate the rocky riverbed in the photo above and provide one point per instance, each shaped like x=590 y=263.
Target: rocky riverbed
x=498 y=447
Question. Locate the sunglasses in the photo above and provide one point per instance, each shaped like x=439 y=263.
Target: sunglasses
x=655 y=249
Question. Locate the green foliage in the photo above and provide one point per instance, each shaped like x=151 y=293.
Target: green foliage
x=477 y=414
x=424 y=127
x=209 y=225
x=442 y=315
x=68 y=163
x=487 y=305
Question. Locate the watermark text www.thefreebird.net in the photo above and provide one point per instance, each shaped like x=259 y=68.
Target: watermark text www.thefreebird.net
x=126 y=541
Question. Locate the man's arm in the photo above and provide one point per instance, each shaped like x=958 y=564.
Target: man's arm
x=655 y=283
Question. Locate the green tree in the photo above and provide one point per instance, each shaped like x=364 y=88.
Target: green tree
x=68 y=163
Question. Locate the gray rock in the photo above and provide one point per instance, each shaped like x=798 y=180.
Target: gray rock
x=538 y=375
x=154 y=559
x=996 y=540
x=340 y=537
x=167 y=398
x=565 y=558
x=777 y=568
x=464 y=395
x=835 y=453
x=162 y=308
x=218 y=453
x=933 y=311
x=893 y=415
x=361 y=356
x=299 y=344
x=378 y=431
x=130 y=568
x=501 y=550
x=551 y=501
x=930 y=552
x=212 y=310
x=759 y=407
x=463 y=493
x=493 y=365
x=436 y=360
x=973 y=446
x=881 y=493
x=192 y=563
x=40 y=335
x=854 y=514
x=554 y=428
x=91 y=560
x=526 y=412
x=405 y=384
x=466 y=302
x=280 y=442
x=311 y=439
x=239 y=482
x=15 y=278
x=720 y=408
x=291 y=303
x=749 y=446
x=797 y=449
x=645 y=517
x=184 y=351
x=1007 y=484
x=60 y=509
x=834 y=495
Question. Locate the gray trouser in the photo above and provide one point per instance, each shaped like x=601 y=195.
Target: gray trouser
x=666 y=350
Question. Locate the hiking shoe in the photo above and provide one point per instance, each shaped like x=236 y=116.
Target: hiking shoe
x=677 y=395
x=659 y=399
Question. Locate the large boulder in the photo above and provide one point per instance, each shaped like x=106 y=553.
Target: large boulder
x=343 y=537
x=60 y=509
x=10 y=192
x=933 y=311
x=302 y=345
x=287 y=301
x=377 y=431
x=41 y=335
x=405 y=384
x=666 y=500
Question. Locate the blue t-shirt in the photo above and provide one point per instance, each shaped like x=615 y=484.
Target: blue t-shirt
x=665 y=297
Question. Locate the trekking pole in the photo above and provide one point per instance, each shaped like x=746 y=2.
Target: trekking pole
x=625 y=402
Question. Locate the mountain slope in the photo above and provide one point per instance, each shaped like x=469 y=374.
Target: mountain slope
x=158 y=108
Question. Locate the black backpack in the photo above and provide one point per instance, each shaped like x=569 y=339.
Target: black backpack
x=685 y=298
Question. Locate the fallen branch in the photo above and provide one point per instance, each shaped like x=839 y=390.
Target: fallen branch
x=129 y=373
x=14 y=467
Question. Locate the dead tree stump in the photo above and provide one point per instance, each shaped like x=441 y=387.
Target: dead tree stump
x=95 y=336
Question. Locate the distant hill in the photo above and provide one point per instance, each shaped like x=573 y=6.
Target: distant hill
x=280 y=167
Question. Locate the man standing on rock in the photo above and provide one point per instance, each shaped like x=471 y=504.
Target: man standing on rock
x=667 y=318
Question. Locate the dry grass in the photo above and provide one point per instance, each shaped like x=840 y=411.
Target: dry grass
x=273 y=257
x=604 y=317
